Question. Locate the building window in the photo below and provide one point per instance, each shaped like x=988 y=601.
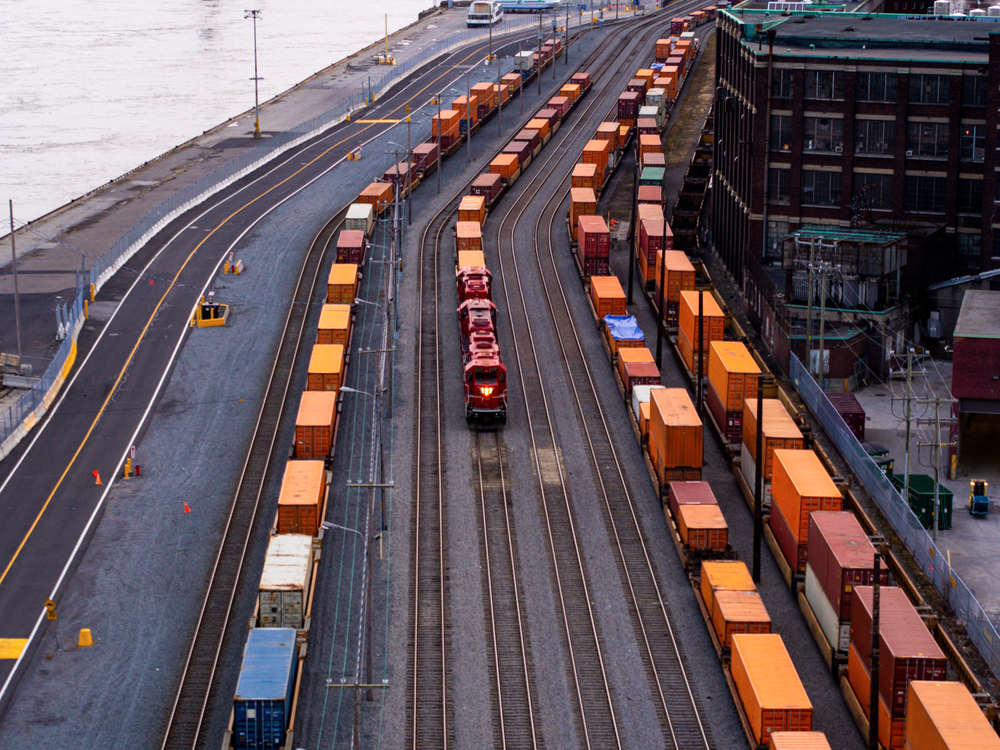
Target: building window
x=824 y=84
x=874 y=137
x=973 y=143
x=776 y=233
x=925 y=194
x=820 y=188
x=781 y=133
x=970 y=196
x=823 y=134
x=779 y=185
x=781 y=85
x=974 y=91
x=872 y=191
x=929 y=89
x=967 y=245
x=927 y=139
x=876 y=87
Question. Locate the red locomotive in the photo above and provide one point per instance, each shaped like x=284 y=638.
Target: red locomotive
x=484 y=373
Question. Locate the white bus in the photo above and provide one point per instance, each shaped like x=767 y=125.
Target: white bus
x=484 y=13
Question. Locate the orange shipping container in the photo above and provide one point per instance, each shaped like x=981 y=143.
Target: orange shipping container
x=663 y=47
x=702 y=527
x=314 y=424
x=585 y=175
x=465 y=113
x=780 y=431
x=733 y=373
x=512 y=81
x=303 y=488
x=713 y=325
x=650 y=144
x=334 y=325
x=768 y=686
x=540 y=124
x=448 y=124
x=501 y=93
x=483 y=94
x=597 y=152
x=624 y=130
x=468 y=236
x=608 y=131
x=679 y=274
x=342 y=283
x=378 y=194
x=644 y=418
x=799 y=485
x=326 y=367
x=722 y=575
x=675 y=427
x=470 y=259
x=583 y=202
x=571 y=91
x=737 y=612
x=504 y=165
x=472 y=208
x=607 y=295
x=945 y=716
x=798 y=741
x=648 y=75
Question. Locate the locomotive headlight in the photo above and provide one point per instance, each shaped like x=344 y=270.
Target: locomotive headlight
x=486 y=390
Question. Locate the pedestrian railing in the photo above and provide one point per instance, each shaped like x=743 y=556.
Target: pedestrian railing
x=903 y=520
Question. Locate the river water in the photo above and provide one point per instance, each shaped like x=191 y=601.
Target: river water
x=88 y=91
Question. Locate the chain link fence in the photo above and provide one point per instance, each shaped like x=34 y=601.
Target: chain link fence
x=135 y=238
x=903 y=520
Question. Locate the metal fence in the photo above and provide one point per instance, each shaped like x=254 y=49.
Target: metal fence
x=135 y=238
x=903 y=520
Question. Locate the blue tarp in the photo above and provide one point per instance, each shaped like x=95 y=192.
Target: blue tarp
x=624 y=328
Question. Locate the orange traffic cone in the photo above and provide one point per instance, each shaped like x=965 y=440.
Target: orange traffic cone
x=97 y=477
x=187 y=509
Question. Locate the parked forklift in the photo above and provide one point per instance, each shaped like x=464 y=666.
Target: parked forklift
x=979 y=500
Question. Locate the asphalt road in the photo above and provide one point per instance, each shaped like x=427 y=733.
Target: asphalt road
x=49 y=497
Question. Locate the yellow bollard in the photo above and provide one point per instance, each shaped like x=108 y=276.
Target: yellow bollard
x=86 y=309
x=86 y=639
x=128 y=467
x=225 y=268
x=93 y=292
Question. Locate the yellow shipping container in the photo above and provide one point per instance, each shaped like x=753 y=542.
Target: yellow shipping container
x=800 y=484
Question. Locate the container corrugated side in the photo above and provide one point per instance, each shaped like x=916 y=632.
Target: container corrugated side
x=702 y=527
x=314 y=424
x=334 y=324
x=263 y=702
x=303 y=487
x=798 y=741
x=676 y=428
x=689 y=493
x=326 y=367
x=284 y=581
x=607 y=295
x=713 y=327
x=768 y=685
x=733 y=372
x=723 y=575
x=837 y=633
x=891 y=730
x=780 y=431
x=907 y=649
x=799 y=485
x=945 y=716
x=738 y=612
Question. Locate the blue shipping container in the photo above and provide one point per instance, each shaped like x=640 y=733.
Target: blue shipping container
x=263 y=700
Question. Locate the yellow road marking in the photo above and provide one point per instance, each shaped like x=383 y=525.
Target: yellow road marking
x=373 y=122
x=156 y=310
x=11 y=648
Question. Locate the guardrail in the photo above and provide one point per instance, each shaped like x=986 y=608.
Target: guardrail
x=22 y=416
x=904 y=522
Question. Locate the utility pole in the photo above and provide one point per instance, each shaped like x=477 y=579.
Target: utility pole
x=909 y=400
x=701 y=359
x=17 y=295
x=937 y=467
x=499 y=99
x=822 y=320
x=409 y=171
x=632 y=236
x=468 y=113
x=566 y=48
x=809 y=304
x=440 y=141
x=255 y=14
x=555 y=27
x=539 y=71
x=873 y=707
x=663 y=271
x=758 y=482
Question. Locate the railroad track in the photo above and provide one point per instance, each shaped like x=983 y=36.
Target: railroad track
x=186 y=721
x=677 y=708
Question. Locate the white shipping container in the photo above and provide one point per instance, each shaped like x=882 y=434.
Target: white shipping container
x=640 y=395
x=838 y=634
x=284 y=583
x=360 y=216
x=749 y=468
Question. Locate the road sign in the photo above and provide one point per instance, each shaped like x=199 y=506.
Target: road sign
x=131 y=453
x=50 y=607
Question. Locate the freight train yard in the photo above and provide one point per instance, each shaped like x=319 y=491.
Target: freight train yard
x=571 y=551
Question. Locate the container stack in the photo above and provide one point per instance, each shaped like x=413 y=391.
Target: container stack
x=593 y=246
x=799 y=486
x=636 y=367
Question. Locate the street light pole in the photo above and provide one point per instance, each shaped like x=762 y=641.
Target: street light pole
x=409 y=170
x=255 y=14
x=468 y=113
x=440 y=141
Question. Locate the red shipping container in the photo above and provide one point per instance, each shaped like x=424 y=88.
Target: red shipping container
x=593 y=237
x=842 y=557
x=425 y=156
x=351 y=246
x=647 y=126
x=560 y=104
x=851 y=411
x=608 y=131
x=628 y=107
x=651 y=159
x=907 y=650
x=594 y=266
x=730 y=422
x=641 y=373
x=521 y=149
x=552 y=115
x=487 y=185
x=652 y=194
x=689 y=493
x=533 y=137
x=638 y=85
x=583 y=79
x=652 y=234
x=794 y=553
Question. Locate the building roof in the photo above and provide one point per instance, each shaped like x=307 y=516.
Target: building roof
x=978 y=317
x=823 y=32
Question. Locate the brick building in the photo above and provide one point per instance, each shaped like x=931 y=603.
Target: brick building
x=878 y=123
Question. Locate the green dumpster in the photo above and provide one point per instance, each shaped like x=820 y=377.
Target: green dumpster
x=922 y=499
